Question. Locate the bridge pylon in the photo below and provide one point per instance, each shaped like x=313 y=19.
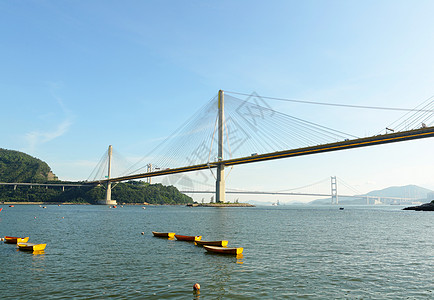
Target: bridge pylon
x=108 y=196
x=220 y=181
x=334 y=190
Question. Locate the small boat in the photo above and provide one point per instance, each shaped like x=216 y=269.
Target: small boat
x=164 y=234
x=15 y=240
x=188 y=238
x=212 y=243
x=224 y=250
x=31 y=246
x=11 y=206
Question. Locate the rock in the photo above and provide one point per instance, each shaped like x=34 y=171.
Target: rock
x=423 y=207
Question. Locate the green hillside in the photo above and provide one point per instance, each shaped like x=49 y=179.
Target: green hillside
x=17 y=166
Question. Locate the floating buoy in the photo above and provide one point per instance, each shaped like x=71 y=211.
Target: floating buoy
x=196 y=287
x=143 y=233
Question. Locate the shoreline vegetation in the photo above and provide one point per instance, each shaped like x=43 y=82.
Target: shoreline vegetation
x=133 y=192
x=19 y=167
x=142 y=204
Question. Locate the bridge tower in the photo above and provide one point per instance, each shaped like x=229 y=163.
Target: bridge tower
x=220 y=181
x=148 y=169
x=334 y=190
x=108 y=196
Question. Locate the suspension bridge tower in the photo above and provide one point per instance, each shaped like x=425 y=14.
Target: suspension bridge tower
x=108 y=196
x=334 y=190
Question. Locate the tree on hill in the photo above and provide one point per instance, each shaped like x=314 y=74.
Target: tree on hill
x=17 y=166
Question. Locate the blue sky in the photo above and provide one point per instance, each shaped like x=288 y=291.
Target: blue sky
x=77 y=76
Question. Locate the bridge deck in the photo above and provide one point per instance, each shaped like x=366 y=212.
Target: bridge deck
x=421 y=133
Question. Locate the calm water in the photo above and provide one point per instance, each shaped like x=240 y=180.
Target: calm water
x=94 y=252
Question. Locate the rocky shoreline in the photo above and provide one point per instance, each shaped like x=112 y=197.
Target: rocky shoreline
x=423 y=207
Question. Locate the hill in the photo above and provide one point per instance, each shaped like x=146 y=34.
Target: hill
x=17 y=166
x=409 y=191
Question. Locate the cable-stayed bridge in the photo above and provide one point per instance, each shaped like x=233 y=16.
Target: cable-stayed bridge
x=229 y=131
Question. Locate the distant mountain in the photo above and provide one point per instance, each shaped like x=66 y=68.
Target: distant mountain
x=414 y=192
x=408 y=191
x=17 y=166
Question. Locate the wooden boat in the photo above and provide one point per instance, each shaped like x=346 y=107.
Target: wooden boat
x=188 y=238
x=212 y=243
x=31 y=246
x=163 y=234
x=224 y=250
x=15 y=240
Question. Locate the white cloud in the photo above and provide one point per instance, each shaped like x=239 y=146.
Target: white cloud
x=36 y=138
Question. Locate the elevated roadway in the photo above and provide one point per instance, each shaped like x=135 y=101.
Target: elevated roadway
x=424 y=132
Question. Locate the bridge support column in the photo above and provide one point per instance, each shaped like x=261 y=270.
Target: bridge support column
x=108 y=196
x=220 y=182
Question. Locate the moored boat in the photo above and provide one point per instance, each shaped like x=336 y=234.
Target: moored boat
x=188 y=238
x=15 y=240
x=224 y=250
x=213 y=243
x=31 y=246
x=164 y=234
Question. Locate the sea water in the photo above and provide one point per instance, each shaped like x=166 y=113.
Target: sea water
x=290 y=252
